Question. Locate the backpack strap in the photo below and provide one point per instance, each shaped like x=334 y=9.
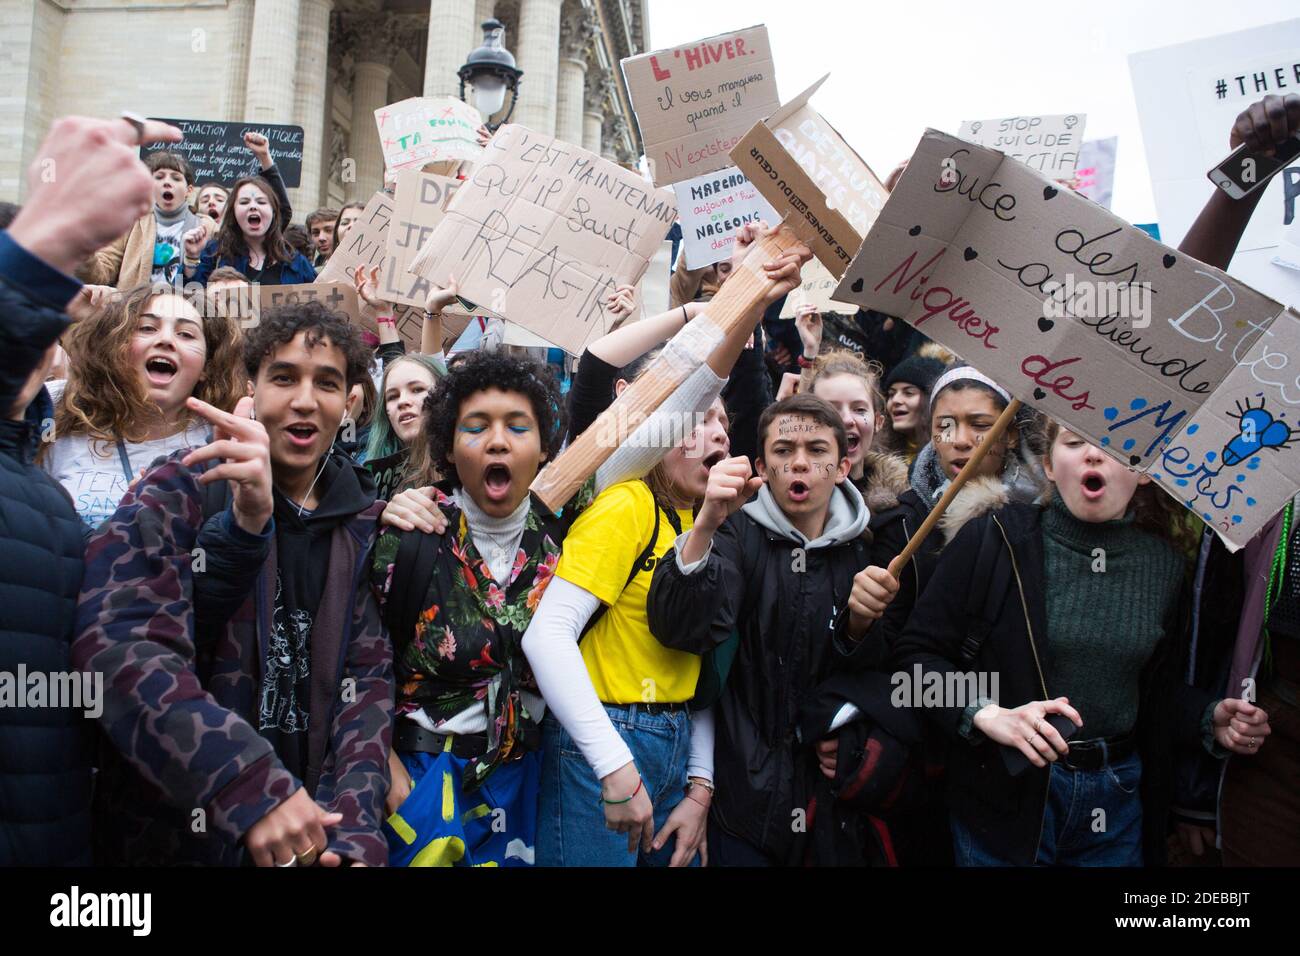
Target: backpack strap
x=644 y=562
x=414 y=562
x=987 y=587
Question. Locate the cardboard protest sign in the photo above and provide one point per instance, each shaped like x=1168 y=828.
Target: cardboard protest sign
x=712 y=208
x=1168 y=364
x=1188 y=96
x=419 y=201
x=816 y=287
x=339 y=296
x=216 y=150
x=694 y=102
x=798 y=162
x=366 y=245
x=426 y=129
x=1049 y=144
x=543 y=232
x=246 y=301
x=1095 y=177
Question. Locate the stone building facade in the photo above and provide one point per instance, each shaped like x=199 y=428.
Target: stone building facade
x=324 y=65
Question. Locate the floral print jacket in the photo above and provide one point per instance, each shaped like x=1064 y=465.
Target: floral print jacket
x=466 y=645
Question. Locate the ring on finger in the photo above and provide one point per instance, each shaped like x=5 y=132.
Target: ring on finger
x=292 y=862
x=309 y=857
x=137 y=122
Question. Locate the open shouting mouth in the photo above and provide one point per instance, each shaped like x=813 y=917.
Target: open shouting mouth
x=255 y=221
x=798 y=490
x=1094 y=486
x=497 y=481
x=301 y=434
x=160 y=370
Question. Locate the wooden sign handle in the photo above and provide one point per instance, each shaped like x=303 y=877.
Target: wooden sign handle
x=737 y=301
x=968 y=471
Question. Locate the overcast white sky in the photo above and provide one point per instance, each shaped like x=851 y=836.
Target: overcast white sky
x=897 y=68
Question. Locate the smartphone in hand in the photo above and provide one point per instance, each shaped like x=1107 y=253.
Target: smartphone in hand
x=1016 y=762
x=1244 y=171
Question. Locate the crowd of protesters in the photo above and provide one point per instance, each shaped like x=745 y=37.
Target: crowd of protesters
x=327 y=619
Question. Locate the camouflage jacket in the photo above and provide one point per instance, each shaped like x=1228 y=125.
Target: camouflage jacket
x=182 y=712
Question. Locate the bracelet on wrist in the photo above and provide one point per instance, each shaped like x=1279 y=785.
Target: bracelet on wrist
x=806 y=362
x=640 y=781
x=385 y=320
x=699 y=782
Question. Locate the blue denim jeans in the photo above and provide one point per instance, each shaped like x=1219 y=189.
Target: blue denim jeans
x=1093 y=818
x=571 y=819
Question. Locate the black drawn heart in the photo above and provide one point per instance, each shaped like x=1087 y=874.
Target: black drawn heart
x=1045 y=324
x=1134 y=459
x=914 y=231
x=1039 y=394
x=857 y=285
x=970 y=253
x=1049 y=192
x=1169 y=261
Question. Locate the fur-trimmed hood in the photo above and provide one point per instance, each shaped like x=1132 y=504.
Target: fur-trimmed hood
x=978 y=497
x=884 y=478
x=1022 y=480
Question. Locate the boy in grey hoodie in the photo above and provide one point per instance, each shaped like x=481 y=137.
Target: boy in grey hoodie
x=796 y=575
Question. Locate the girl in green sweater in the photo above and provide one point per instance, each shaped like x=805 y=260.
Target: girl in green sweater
x=1069 y=618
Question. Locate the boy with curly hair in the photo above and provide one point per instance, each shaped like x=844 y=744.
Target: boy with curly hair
x=249 y=681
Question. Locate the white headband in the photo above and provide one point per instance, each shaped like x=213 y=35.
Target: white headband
x=968 y=374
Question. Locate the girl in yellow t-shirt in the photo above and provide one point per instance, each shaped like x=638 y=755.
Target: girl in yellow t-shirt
x=617 y=725
x=624 y=762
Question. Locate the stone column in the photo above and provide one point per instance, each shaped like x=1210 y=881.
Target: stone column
x=538 y=57
x=239 y=21
x=369 y=93
x=310 y=99
x=576 y=31
x=272 y=62
x=593 y=117
x=453 y=33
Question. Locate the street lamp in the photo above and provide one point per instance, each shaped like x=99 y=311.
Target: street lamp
x=489 y=71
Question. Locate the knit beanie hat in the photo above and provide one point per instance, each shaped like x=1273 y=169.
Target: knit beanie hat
x=915 y=370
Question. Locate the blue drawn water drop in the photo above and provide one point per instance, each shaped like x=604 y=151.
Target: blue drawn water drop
x=1253 y=464
x=1155 y=476
x=1210 y=456
x=1181 y=482
x=1193 y=429
x=1105 y=439
x=1250 y=502
x=1111 y=413
x=1241 y=477
x=1137 y=403
x=1206 y=516
x=1129 y=443
x=1236 y=519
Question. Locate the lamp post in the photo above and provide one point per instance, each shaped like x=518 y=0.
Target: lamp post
x=490 y=71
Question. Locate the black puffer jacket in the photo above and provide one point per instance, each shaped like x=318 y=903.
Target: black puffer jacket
x=44 y=751
x=790 y=612
x=999 y=557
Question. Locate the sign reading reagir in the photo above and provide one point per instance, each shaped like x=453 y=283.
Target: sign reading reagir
x=543 y=232
x=694 y=102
